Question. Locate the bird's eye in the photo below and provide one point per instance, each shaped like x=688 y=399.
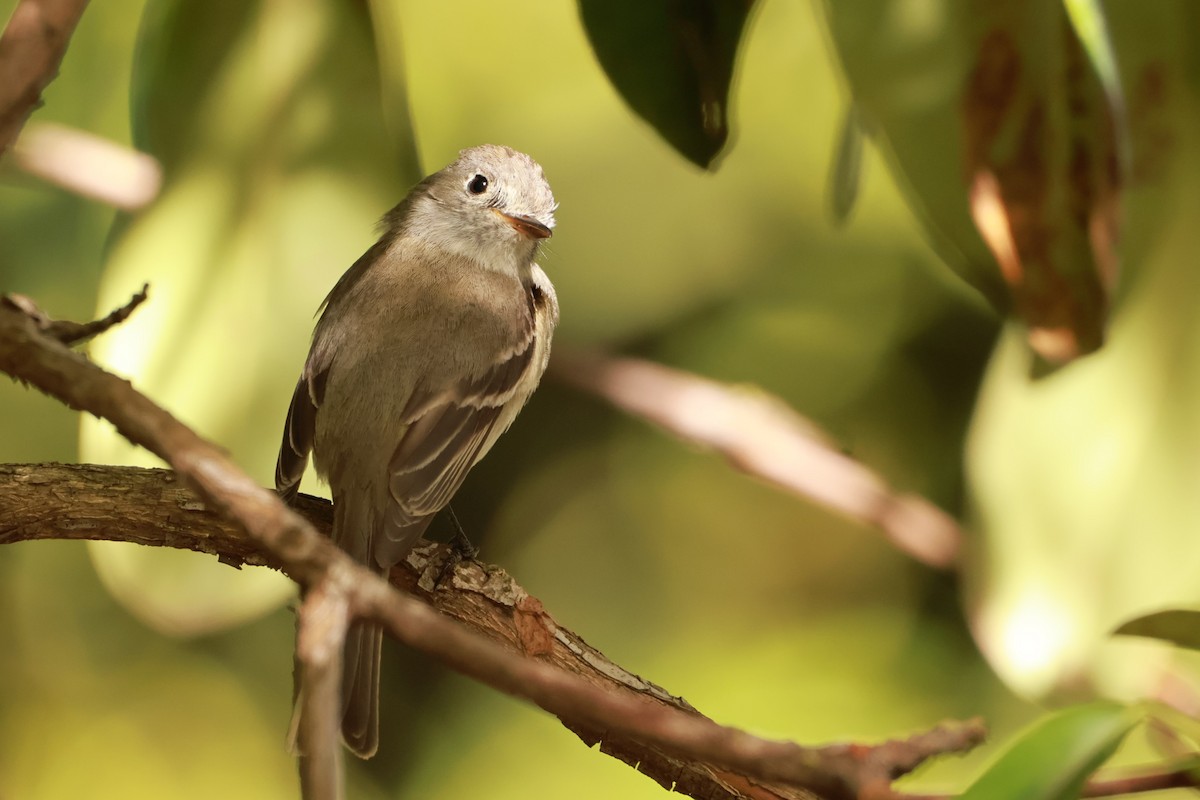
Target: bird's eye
x=477 y=185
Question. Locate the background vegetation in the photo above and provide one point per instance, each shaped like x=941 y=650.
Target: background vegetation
x=285 y=129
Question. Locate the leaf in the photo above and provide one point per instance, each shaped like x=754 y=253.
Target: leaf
x=278 y=159
x=846 y=177
x=1179 y=626
x=1087 y=17
x=1053 y=759
x=673 y=63
x=1009 y=137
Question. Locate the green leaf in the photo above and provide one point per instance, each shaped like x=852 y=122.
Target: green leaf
x=1177 y=625
x=1053 y=759
x=1008 y=134
x=1087 y=17
x=673 y=63
x=278 y=156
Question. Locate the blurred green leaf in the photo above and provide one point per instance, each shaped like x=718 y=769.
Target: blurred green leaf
x=1179 y=626
x=278 y=159
x=1087 y=17
x=846 y=176
x=673 y=63
x=1011 y=150
x=1091 y=473
x=1053 y=759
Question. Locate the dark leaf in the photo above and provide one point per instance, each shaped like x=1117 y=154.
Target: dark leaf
x=673 y=63
x=1177 y=625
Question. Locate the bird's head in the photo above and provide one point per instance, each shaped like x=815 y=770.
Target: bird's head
x=492 y=204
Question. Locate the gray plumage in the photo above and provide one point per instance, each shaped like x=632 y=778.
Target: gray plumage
x=425 y=351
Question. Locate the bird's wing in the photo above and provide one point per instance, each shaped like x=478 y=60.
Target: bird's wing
x=449 y=430
x=301 y=424
x=298 y=431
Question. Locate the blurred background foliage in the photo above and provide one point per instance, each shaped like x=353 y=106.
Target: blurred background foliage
x=285 y=130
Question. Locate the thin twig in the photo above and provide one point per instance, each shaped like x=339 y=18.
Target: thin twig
x=324 y=618
x=74 y=333
x=760 y=435
x=1137 y=780
x=88 y=165
x=1148 y=780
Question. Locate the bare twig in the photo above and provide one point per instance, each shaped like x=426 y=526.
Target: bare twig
x=1136 y=781
x=88 y=165
x=311 y=559
x=1149 y=780
x=31 y=48
x=761 y=435
x=884 y=763
x=73 y=333
x=324 y=618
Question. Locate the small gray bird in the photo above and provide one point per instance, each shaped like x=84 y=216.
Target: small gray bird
x=426 y=350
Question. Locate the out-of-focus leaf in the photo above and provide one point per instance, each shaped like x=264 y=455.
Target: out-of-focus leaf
x=673 y=63
x=846 y=176
x=1087 y=17
x=267 y=119
x=1083 y=485
x=1052 y=760
x=995 y=121
x=1177 y=625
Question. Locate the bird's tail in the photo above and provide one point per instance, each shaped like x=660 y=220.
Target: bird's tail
x=353 y=525
x=360 y=688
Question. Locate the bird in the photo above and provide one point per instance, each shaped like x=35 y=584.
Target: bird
x=424 y=352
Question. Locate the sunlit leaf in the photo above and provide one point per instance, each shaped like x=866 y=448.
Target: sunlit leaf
x=1009 y=144
x=267 y=119
x=1087 y=17
x=1177 y=625
x=1096 y=466
x=1052 y=760
x=673 y=63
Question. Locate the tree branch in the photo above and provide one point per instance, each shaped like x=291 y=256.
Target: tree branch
x=88 y=165
x=151 y=507
x=73 y=333
x=31 y=49
x=323 y=620
x=762 y=436
x=644 y=718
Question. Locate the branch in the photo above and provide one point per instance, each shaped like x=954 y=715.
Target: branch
x=279 y=536
x=762 y=436
x=323 y=619
x=88 y=165
x=31 y=49
x=73 y=333
x=1136 y=781
x=151 y=507
x=1148 y=780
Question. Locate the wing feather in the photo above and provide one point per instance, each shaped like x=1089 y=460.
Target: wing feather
x=446 y=434
x=298 y=432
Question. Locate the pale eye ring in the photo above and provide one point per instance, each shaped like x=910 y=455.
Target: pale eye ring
x=477 y=184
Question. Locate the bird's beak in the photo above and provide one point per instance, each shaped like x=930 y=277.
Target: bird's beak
x=526 y=226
